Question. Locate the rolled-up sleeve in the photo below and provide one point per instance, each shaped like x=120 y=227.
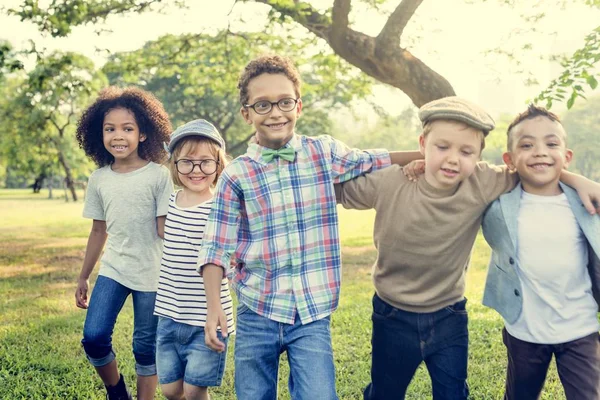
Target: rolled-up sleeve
x=348 y=163
x=220 y=235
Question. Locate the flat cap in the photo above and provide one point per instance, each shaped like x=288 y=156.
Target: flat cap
x=458 y=109
x=197 y=127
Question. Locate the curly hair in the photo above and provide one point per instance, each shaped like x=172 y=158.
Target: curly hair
x=531 y=112
x=268 y=64
x=150 y=116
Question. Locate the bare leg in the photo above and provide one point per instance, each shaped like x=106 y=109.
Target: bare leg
x=174 y=390
x=109 y=373
x=195 y=392
x=146 y=387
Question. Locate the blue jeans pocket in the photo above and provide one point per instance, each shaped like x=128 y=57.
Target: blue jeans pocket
x=459 y=307
x=242 y=308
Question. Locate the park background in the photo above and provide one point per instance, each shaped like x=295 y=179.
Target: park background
x=367 y=66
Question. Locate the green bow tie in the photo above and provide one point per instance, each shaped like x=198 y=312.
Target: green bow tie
x=287 y=153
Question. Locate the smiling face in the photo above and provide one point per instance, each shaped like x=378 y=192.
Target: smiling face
x=275 y=128
x=198 y=181
x=451 y=151
x=121 y=136
x=538 y=154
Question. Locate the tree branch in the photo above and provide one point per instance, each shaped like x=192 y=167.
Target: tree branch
x=393 y=28
x=339 y=18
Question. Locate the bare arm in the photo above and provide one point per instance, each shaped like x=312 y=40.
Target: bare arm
x=404 y=157
x=215 y=316
x=588 y=190
x=94 y=247
x=160 y=226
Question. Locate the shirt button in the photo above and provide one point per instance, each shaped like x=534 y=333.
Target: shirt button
x=511 y=261
x=517 y=293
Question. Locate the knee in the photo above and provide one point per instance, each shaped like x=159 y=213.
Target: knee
x=173 y=393
x=195 y=392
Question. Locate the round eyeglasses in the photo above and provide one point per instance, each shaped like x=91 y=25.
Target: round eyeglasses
x=263 y=107
x=186 y=167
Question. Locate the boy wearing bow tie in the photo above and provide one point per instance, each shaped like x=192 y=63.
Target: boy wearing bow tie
x=275 y=211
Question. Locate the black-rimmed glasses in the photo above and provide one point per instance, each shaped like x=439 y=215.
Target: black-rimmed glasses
x=186 y=167
x=263 y=107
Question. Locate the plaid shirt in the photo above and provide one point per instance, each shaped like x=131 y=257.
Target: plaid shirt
x=279 y=220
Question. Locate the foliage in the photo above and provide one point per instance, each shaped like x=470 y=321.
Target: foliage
x=60 y=16
x=332 y=24
x=9 y=61
x=195 y=76
x=578 y=74
x=583 y=137
x=39 y=115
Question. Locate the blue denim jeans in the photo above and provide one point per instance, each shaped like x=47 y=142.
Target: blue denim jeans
x=181 y=353
x=258 y=345
x=401 y=340
x=105 y=305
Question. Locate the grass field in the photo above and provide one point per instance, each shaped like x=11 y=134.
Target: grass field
x=42 y=244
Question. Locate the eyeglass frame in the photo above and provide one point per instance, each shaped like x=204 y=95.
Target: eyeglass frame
x=273 y=103
x=199 y=164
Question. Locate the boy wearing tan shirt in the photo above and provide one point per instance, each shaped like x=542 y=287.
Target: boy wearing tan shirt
x=424 y=233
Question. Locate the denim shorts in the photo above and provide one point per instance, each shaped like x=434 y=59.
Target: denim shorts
x=182 y=354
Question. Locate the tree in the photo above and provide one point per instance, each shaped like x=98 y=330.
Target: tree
x=382 y=57
x=39 y=119
x=581 y=124
x=195 y=76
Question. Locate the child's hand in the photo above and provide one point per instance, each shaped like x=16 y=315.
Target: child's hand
x=413 y=169
x=590 y=196
x=81 y=293
x=214 y=320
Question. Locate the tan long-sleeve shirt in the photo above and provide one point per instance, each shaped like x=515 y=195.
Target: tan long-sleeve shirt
x=423 y=235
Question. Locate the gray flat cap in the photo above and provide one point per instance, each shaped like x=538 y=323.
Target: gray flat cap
x=197 y=127
x=459 y=109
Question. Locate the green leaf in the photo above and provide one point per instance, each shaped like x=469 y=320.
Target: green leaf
x=592 y=82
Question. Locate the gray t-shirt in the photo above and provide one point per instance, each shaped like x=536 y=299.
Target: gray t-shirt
x=130 y=203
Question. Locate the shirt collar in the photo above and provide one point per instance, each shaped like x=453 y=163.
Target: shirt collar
x=255 y=150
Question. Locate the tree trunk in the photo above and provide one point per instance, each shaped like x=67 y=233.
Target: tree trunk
x=50 y=179
x=68 y=174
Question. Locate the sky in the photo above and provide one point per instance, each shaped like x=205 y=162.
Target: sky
x=451 y=36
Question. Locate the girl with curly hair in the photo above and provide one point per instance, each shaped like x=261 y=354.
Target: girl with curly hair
x=124 y=132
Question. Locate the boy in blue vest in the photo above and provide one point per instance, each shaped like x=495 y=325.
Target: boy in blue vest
x=544 y=273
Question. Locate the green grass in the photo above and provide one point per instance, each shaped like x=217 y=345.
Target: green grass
x=42 y=244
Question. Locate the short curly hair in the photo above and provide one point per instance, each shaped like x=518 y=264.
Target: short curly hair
x=268 y=64
x=150 y=116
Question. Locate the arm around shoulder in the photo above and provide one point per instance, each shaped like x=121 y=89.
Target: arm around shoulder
x=588 y=190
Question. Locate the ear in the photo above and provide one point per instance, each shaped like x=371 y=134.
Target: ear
x=299 y=108
x=568 y=157
x=507 y=157
x=422 y=142
x=246 y=115
x=142 y=137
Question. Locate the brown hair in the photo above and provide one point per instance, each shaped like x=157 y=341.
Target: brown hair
x=427 y=129
x=268 y=64
x=188 y=145
x=531 y=112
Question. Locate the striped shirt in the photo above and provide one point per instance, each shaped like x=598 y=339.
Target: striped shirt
x=180 y=294
x=279 y=220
